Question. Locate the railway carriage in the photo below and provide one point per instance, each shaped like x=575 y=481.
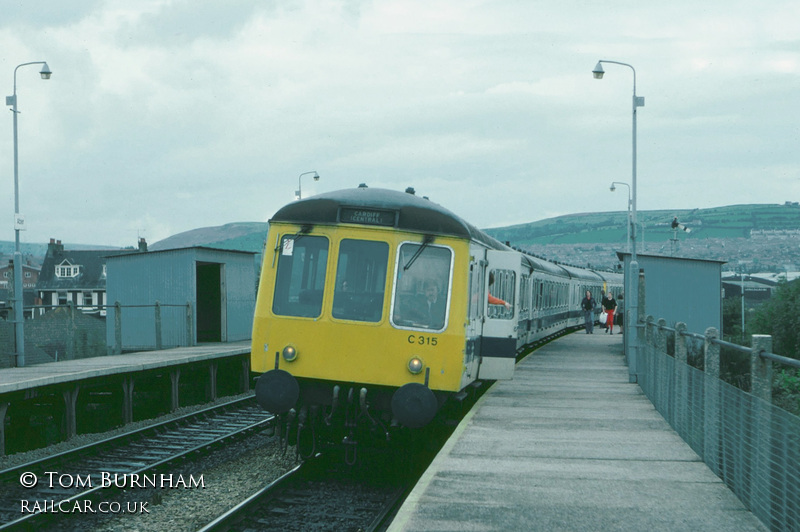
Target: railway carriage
x=373 y=311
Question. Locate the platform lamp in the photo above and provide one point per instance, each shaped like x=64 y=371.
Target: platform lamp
x=19 y=223
x=632 y=282
x=299 y=192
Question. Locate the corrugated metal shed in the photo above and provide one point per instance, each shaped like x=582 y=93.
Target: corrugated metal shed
x=681 y=290
x=204 y=295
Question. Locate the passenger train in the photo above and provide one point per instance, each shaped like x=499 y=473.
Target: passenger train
x=376 y=308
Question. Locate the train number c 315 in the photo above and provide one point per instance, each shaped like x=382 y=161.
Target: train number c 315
x=423 y=340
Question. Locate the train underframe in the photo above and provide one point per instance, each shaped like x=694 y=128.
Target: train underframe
x=316 y=415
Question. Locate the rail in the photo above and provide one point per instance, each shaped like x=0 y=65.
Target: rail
x=793 y=362
x=752 y=444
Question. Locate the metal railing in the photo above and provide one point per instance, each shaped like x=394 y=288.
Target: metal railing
x=751 y=444
x=148 y=327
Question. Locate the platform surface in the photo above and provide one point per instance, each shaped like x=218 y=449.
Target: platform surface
x=15 y=379
x=570 y=444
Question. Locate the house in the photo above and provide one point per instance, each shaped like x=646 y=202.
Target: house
x=78 y=276
x=30 y=277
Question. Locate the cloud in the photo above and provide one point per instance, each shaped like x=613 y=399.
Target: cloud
x=173 y=114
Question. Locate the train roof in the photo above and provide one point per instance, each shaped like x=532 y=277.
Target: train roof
x=542 y=265
x=582 y=273
x=382 y=207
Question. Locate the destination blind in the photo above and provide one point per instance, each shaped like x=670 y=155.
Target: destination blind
x=367 y=216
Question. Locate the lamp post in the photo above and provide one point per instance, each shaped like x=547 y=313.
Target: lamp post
x=299 y=192
x=19 y=223
x=612 y=189
x=632 y=292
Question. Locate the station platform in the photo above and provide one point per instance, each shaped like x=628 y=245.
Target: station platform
x=56 y=401
x=570 y=444
x=17 y=379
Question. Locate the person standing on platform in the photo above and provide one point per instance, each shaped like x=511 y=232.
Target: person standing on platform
x=587 y=305
x=609 y=306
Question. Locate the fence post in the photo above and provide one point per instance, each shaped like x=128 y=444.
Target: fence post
x=638 y=333
x=761 y=389
x=117 y=328
x=711 y=401
x=189 y=325
x=647 y=350
x=681 y=396
x=158 y=325
x=70 y=336
x=761 y=368
x=661 y=375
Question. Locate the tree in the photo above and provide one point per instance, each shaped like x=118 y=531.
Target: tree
x=732 y=320
x=780 y=317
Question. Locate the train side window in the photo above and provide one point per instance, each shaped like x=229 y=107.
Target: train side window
x=501 y=286
x=525 y=296
x=476 y=297
x=360 y=280
x=422 y=286
x=300 y=279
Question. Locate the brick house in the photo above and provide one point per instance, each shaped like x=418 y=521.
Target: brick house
x=30 y=275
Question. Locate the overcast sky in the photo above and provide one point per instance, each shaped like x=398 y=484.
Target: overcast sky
x=168 y=115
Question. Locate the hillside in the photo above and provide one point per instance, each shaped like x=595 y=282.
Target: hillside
x=762 y=237
x=736 y=221
x=242 y=236
x=766 y=237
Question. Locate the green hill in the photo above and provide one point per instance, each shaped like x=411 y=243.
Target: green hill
x=735 y=221
x=241 y=236
x=732 y=233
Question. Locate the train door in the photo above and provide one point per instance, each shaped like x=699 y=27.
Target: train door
x=475 y=313
x=499 y=338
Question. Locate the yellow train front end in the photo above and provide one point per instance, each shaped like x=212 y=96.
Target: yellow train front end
x=360 y=317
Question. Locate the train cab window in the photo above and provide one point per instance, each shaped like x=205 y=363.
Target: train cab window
x=300 y=278
x=422 y=286
x=360 y=280
x=501 y=287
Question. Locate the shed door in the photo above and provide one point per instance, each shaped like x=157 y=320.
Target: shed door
x=211 y=299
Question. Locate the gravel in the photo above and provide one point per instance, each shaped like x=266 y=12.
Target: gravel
x=229 y=475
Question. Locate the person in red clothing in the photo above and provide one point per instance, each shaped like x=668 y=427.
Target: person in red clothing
x=609 y=306
x=497 y=301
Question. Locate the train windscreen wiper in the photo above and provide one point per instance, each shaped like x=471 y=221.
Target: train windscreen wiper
x=304 y=230
x=428 y=239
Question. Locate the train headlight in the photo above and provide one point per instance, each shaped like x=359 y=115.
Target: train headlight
x=289 y=353
x=415 y=365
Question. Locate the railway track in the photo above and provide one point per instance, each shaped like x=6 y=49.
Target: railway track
x=79 y=481
x=318 y=496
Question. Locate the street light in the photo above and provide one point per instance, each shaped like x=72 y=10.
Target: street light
x=612 y=189
x=299 y=192
x=632 y=292
x=19 y=223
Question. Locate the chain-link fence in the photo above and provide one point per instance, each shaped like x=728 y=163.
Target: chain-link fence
x=73 y=331
x=751 y=444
